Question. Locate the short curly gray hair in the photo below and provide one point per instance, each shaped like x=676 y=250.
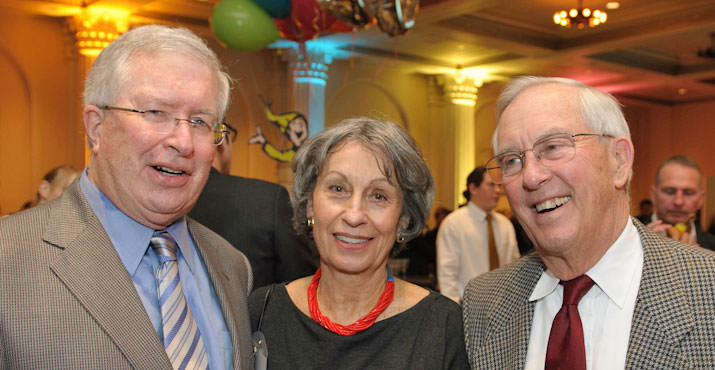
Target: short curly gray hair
x=403 y=164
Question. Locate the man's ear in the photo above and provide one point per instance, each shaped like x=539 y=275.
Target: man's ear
x=623 y=161
x=472 y=188
x=92 y=116
x=44 y=189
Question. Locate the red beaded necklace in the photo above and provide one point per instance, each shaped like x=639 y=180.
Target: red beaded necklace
x=362 y=323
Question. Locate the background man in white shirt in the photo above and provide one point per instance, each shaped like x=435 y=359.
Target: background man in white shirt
x=463 y=250
x=564 y=155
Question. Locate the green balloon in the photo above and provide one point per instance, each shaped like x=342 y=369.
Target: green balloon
x=242 y=25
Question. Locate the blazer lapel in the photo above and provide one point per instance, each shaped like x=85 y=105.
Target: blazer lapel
x=511 y=315
x=233 y=305
x=662 y=316
x=91 y=269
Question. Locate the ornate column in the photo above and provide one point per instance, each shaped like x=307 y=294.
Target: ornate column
x=309 y=68
x=94 y=28
x=461 y=92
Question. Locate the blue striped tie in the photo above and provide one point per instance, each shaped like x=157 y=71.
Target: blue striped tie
x=182 y=339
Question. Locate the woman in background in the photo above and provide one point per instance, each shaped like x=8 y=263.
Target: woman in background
x=359 y=187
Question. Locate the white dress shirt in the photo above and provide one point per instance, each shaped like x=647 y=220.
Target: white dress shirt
x=463 y=247
x=606 y=310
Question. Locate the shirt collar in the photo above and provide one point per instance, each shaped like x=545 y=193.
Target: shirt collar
x=130 y=238
x=481 y=214
x=608 y=273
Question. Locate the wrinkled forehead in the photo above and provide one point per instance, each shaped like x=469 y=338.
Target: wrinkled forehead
x=377 y=155
x=537 y=112
x=679 y=176
x=168 y=77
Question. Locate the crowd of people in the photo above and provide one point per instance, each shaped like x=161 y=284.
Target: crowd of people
x=155 y=257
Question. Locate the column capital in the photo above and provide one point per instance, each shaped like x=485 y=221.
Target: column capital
x=96 y=27
x=308 y=64
x=461 y=87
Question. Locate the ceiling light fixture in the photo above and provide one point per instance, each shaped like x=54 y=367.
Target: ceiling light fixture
x=96 y=27
x=580 y=17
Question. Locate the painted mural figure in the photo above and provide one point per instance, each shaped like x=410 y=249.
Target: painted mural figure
x=292 y=124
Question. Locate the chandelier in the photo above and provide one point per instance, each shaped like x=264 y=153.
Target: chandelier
x=94 y=28
x=580 y=17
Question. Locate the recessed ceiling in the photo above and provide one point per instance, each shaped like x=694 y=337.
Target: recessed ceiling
x=646 y=50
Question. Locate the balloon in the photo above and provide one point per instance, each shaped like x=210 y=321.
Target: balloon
x=307 y=20
x=348 y=11
x=340 y=27
x=242 y=25
x=275 y=8
x=397 y=16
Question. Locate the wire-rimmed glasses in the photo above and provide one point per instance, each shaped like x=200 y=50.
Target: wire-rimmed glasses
x=231 y=132
x=550 y=151
x=162 y=122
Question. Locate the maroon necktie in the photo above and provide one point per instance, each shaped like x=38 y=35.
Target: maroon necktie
x=566 y=350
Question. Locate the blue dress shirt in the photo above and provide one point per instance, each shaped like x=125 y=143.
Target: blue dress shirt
x=131 y=240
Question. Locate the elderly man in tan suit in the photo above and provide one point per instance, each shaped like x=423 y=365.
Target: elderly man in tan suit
x=112 y=275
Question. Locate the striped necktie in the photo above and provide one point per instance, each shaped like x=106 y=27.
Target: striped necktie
x=182 y=339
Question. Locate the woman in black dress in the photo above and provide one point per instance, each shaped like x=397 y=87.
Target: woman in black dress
x=361 y=189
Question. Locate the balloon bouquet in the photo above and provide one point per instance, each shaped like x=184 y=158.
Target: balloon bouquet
x=250 y=25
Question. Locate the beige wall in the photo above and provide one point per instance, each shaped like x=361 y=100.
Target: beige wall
x=40 y=121
x=660 y=131
x=39 y=104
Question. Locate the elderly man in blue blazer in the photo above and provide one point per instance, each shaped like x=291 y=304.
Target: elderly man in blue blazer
x=601 y=291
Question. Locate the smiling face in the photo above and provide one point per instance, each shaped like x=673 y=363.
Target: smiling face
x=356 y=209
x=578 y=208
x=677 y=193
x=154 y=178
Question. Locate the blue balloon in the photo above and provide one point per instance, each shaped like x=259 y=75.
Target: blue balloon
x=277 y=9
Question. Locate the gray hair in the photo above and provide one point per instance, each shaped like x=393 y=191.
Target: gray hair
x=600 y=111
x=108 y=74
x=403 y=165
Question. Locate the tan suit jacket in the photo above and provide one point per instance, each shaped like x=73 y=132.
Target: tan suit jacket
x=67 y=301
x=672 y=325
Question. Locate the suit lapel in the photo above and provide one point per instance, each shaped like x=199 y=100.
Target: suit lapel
x=511 y=315
x=223 y=276
x=92 y=271
x=662 y=316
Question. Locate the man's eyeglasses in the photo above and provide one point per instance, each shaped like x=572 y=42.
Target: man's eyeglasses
x=231 y=132
x=550 y=151
x=203 y=125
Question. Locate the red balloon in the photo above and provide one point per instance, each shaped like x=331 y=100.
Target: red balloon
x=306 y=21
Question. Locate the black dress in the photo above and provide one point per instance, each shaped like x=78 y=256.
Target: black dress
x=427 y=336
